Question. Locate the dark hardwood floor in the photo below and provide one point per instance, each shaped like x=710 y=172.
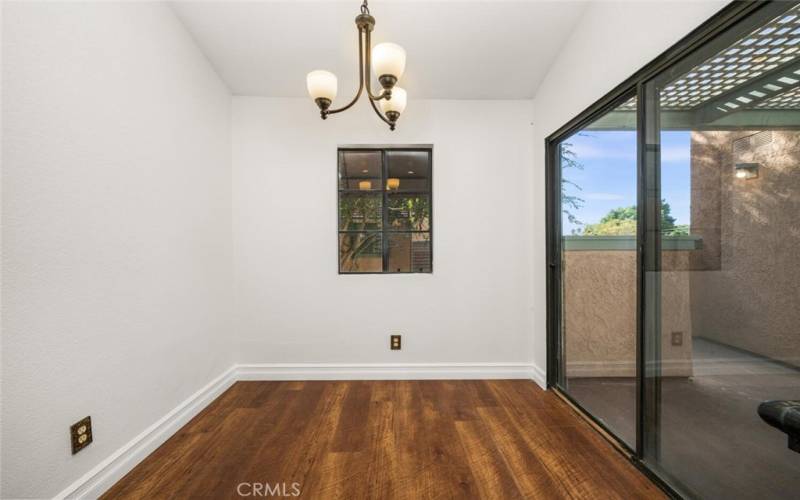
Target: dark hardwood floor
x=470 y=439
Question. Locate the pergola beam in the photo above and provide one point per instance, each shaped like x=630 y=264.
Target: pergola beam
x=761 y=119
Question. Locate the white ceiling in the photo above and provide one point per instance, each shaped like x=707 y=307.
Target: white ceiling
x=456 y=50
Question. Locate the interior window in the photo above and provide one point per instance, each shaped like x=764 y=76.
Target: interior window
x=385 y=219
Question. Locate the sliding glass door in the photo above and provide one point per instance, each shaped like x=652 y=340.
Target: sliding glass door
x=674 y=231
x=724 y=284
x=598 y=268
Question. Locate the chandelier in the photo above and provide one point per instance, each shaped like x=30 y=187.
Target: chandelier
x=388 y=60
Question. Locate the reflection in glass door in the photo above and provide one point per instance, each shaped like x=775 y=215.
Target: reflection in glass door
x=598 y=168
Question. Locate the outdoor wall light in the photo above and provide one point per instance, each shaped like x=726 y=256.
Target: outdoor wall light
x=392 y=183
x=746 y=170
x=389 y=63
x=365 y=185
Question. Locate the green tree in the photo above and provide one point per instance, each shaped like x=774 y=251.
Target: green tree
x=570 y=202
x=619 y=221
x=622 y=221
x=409 y=212
x=362 y=215
x=359 y=213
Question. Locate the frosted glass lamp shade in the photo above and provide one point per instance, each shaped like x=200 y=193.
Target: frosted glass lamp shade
x=397 y=103
x=322 y=85
x=388 y=59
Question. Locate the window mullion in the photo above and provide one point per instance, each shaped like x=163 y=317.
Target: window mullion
x=385 y=211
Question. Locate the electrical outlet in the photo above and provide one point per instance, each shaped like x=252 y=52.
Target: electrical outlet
x=81 y=434
x=677 y=339
x=394 y=342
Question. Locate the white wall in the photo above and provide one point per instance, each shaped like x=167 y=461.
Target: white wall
x=116 y=230
x=292 y=306
x=611 y=42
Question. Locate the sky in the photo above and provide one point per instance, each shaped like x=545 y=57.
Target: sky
x=608 y=178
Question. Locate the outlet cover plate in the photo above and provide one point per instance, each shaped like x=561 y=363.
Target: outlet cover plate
x=81 y=434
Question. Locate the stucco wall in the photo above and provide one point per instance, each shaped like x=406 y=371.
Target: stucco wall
x=749 y=298
x=740 y=287
x=600 y=313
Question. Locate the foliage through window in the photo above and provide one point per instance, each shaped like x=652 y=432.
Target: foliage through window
x=385 y=210
x=601 y=161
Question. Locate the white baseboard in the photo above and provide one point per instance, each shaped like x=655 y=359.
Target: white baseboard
x=539 y=376
x=384 y=371
x=103 y=476
x=100 y=478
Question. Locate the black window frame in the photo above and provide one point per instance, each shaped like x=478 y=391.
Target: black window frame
x=384 y=230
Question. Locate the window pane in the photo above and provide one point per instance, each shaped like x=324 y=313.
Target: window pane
x=360 y=170
x=360 y=252
x=409 y=212
x=360 y=212
x=383 y=193
x=599 y=223
x=409 y=252
x=408 y=171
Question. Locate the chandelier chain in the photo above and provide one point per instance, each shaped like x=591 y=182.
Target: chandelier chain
x=364 y=8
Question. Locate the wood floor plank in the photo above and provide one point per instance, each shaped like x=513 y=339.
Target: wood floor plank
x=381 y=474
x=299 y=462
x=450 y=398
x=284 y=449
x=220 y=455
x=533 y=477
x=408 y=435
x=493 y=479
x=446 y=473
x=340 y=476
x=351 y=433
x=386 y=440
x=570 y=470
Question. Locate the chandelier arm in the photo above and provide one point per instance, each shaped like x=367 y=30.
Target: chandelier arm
x=360 y=79
x=380 y=115
x=368 y=75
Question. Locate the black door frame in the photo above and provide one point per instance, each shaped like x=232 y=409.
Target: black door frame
x=647 y=259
